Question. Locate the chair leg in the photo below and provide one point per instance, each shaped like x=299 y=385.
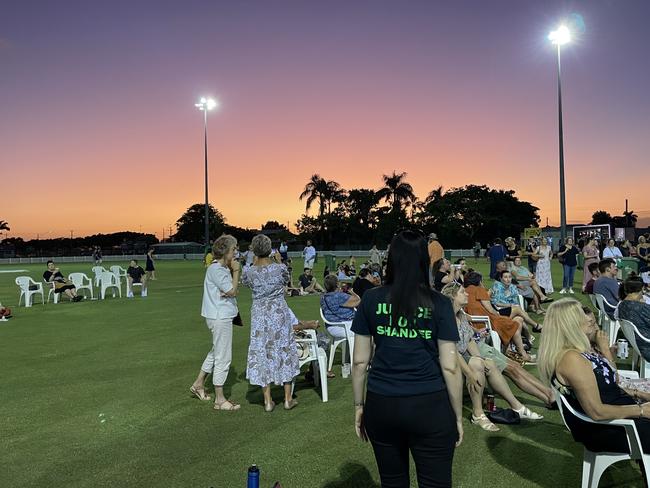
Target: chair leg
x=587 y=468
x=322 y=361
x=600 y=464
x=332 y=352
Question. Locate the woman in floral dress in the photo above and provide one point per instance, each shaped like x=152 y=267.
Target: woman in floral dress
x=543 y=272
x=272 y=353
x=592 y=255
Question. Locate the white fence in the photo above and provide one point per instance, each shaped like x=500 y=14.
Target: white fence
x=455 y=253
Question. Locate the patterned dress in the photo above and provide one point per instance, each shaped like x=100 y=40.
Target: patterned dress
x=543 y=273
x=272 y=353
x=591 y=255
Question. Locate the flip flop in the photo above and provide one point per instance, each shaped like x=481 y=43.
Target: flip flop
x=232 y=408
x=200 y=394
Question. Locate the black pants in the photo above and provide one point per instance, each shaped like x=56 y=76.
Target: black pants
x=425 y=425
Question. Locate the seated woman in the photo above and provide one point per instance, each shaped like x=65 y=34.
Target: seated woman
x=61 y=285
x=505 y=299
x=528 y=285
x=634 y=309
x=479 y=304
x=587 y=381
x=337 y=306
x=476 y=367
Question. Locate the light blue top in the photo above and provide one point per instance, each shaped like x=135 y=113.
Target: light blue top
x=503 y=294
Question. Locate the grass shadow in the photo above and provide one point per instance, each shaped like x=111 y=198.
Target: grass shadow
x=352 y=475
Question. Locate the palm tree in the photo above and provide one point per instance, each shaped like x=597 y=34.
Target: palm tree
x=316 y=189
x=4 y=225
x=630 y=218
x=396 y=191
x=334 y=194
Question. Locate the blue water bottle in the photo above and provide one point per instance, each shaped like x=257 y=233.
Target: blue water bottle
x=253 y=477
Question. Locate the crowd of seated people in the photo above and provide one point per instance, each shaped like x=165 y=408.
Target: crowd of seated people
x=505 y=299
x=527 y=285
x=634 y=307
x=308 y=283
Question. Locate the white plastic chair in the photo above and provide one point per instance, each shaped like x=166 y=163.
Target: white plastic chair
x=24 y=282
x=97 y=271
x=82 y=282
x=108 y=280
x=633 y=335
x=348 y=341
x=609 y=325
x=594 y=464
x=317 y=355
x=51 y=294
x=120 y=272
x=484 y=319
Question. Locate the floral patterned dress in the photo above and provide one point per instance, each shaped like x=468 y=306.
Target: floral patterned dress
x=272 y=353
x=591 y=255
x=543 y=271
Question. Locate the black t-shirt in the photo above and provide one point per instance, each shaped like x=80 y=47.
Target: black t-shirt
x=437 y=280
x=135 y=272
x=57 y=276
x=305 y=280
x=570 y=258
x=406 y=356
x=361 y=285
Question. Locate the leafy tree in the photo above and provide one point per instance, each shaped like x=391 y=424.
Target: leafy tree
x=600 y=217
x=630 y=218
x=273 y=225
x=472 y=213
x=359 y=206
x=396 y=191
x=191 y=225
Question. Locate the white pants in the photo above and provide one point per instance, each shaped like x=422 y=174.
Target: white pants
x=218 y=359
x=309 y=263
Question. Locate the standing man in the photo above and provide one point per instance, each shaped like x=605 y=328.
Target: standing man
x=495 y=254
x=309 y=255
x=477 y=251
x=284 y=251
x=436 y=251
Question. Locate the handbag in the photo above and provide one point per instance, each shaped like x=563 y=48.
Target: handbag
x=504 y=416
x=237 y=320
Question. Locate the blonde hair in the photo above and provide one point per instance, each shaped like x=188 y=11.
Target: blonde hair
x=222 y=245
x=450 y=290
x=562 y=332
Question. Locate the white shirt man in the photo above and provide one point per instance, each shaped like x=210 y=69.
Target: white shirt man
x=375 y=255
x=309 y=255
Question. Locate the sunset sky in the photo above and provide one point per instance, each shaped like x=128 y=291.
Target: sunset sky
x=99 y=133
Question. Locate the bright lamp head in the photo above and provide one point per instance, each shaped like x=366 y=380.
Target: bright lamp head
x=560 y=36
x=206 y=104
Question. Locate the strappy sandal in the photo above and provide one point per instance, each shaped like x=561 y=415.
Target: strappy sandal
x=199 y=393
x=537 y=328
x=484 y=423
x=290 y=404
x=526 y=413
x=222 y=406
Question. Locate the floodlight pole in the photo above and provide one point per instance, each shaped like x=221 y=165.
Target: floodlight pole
x=561 y=148
x=205 y=152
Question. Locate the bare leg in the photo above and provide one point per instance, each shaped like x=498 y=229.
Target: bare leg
x=478 y=366
x=500 y=386
x=528 y=383
x=517 y=311
x=266 y=390
x=517 y=340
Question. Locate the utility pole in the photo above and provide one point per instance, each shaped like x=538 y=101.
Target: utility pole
x=71 y=234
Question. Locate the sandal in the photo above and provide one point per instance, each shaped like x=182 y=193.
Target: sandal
x=537 y=328
x=331 y=374
x=484 y=423
x=199 y=393
x=532 y=360
x=232 y=406
x=526 y=413
x=291 y=404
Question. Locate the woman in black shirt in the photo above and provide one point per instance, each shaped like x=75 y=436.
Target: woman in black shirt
x=568 y=257
x=414 y=388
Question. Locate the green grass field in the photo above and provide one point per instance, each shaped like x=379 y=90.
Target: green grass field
x=95 y=394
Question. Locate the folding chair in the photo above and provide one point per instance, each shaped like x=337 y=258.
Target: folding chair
x=594 y=464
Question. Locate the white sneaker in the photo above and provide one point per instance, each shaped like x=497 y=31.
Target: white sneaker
x=571 y=291
x=144 y=293
x=129 y=295
x=562 y=291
